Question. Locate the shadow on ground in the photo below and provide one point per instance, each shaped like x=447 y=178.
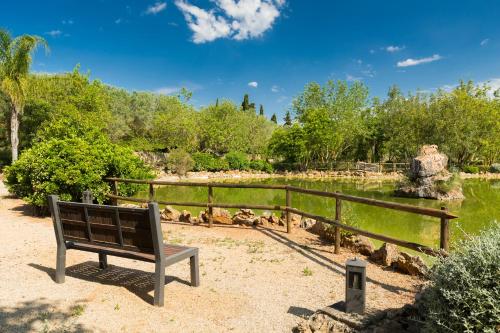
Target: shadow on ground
x=40 y=316
x=320 y=259
x=138 y=282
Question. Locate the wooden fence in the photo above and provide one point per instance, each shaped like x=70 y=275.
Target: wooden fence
x=350 y=166
x=442 y=214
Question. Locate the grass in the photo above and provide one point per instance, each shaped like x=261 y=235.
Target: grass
x=307 y=271
x=77 y=310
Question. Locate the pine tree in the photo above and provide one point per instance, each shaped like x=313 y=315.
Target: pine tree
x=288 y=119
x=273 y=118
x=261 y=110
x=217 y=103
x=245 y=105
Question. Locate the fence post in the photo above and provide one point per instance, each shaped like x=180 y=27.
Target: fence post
x=288 y=205
x=151 y=192
x=114 y=201
x=393 y=167
x=338 y=217
x=210 y=208
x=445 y=232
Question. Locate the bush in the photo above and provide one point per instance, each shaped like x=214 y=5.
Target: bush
x=470 y=169
x=208 y=162
x=237 y=161
x=180 y=162
x=495 y=168
x=464 y=294
x=260 y=165
x=67 y=167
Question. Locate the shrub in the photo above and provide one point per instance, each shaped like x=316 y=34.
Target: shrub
x=495 y=168
x=237 y=161
x=446 y=186
x=67 y=167
x=208 y=162
x=260 y=165
x=470 y=169
x=464 y=294
x=180 y=162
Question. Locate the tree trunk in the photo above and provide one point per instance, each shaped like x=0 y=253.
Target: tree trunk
x=14 y=132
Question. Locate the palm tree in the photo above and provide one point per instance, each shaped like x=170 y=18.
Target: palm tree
x=15 y=61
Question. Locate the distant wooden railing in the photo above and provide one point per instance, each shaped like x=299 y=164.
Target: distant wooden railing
x=442 y=214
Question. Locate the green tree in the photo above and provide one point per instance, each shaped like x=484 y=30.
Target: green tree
x=288 y=119
x=245 y=105
x=15 y=61
x=274 y=119
x=261 y=110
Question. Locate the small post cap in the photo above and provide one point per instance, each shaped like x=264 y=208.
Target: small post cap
x=356 y=262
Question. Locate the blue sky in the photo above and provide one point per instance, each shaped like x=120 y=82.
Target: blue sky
x=268 y=48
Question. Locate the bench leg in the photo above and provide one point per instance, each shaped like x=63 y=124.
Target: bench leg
x=159 y=283
x=60 y=264
x=103 y=261
x=195 y=271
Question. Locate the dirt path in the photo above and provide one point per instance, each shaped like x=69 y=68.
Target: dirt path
x=252 y=280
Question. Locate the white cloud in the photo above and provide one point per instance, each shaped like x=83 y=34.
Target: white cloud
x=205 y=25
x=156 y=8
x=352 y=78
x=493 y=85
x=414 y=62
x=233 y=19
x=54 y=33
x=118 y=21
x=372 y=51
x=69 y=22
x=253 y=84
x=167 y=90
x=275 y=89
x=484 y=42
x=394 y=48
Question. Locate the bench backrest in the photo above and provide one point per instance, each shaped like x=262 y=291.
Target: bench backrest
x=131 y=229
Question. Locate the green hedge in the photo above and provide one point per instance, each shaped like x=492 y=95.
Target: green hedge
x=208 y=162
x=67 y=167
x=464 y=294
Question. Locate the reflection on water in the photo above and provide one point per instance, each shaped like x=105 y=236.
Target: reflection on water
x=478 y=211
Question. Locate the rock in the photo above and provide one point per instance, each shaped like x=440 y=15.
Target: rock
x=307 y=223
x=245 y=217
x=219 y=216
x=321 y=323
x=324 y=230
x=294 y=217
x=185 y=216
x=428 y=163
x=170 y=214
x=428 y=177
x=386 y=255
x=359 y=244
x=412 y=265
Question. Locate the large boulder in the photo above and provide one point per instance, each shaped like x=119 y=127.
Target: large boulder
x=428 y=163
x=186 y=216
x=428 y=177
x=295 y=218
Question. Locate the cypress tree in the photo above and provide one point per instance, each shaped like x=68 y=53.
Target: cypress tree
x=261 y=110
x=245 y=105
x=273 y=118
x=288 y=119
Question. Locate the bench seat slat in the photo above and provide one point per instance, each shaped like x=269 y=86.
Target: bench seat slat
x=101 y=226
x=175 y=252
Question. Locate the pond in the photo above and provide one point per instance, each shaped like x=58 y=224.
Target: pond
x=478 y=211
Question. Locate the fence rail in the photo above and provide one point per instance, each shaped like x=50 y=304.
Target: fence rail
x=442 y=214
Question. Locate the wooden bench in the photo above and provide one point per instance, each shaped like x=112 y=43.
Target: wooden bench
x=133 y=233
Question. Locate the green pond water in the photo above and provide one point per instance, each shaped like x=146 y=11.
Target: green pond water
x=478 y=211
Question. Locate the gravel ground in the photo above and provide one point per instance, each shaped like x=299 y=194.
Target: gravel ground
x=252 y=280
